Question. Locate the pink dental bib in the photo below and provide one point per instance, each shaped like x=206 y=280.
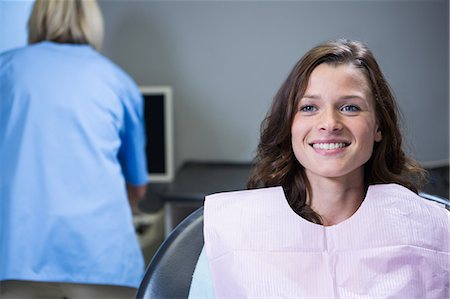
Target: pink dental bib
x=395 y=246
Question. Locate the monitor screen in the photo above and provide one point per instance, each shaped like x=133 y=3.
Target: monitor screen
x=158 y=115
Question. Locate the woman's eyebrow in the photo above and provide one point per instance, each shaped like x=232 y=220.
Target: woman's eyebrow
x=353 y=96
x=344 y=97
x=310 y=96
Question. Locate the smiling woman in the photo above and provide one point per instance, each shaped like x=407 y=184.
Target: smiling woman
x=334 y=212
x=333 y=134
x=335 y=84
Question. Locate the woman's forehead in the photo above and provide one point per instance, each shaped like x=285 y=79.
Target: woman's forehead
x=338 y=78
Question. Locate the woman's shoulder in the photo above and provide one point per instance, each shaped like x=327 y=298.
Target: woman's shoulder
x=15 y=54
x=398 y=202
x=246 y=194
x=400 y=193
x=249 y=200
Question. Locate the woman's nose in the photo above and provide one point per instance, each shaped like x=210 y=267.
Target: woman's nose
x=330 y=121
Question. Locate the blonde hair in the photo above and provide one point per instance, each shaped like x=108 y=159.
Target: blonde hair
x=66 y=21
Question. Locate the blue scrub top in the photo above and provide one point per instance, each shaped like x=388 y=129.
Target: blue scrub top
x=71 y=135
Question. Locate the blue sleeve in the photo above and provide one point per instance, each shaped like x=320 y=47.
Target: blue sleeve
x=132 y=153
x=202 y=285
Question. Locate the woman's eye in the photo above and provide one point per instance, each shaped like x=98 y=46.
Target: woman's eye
x=350 y=108
x=308 y=108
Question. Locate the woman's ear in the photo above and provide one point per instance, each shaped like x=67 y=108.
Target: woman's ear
x=378 y=135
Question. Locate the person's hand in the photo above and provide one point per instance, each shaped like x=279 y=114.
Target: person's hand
x=135 y=193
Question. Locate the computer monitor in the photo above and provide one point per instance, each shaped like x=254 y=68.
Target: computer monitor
x=158 y=115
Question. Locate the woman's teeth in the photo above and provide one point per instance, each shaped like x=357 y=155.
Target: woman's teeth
x=329 y=146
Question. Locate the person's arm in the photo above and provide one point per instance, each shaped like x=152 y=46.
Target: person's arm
x=135 y=193
x=202 y=284
x=131 y=155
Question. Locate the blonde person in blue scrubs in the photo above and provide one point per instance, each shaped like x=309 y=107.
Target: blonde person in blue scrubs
x=73 y=165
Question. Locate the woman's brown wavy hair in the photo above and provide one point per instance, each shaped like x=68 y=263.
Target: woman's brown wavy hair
x=275 y=163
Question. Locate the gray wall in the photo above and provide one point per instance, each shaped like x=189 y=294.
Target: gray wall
x=226 y=59
x=13 y=23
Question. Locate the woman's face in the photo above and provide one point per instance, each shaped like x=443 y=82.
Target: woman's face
x=335 y=126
